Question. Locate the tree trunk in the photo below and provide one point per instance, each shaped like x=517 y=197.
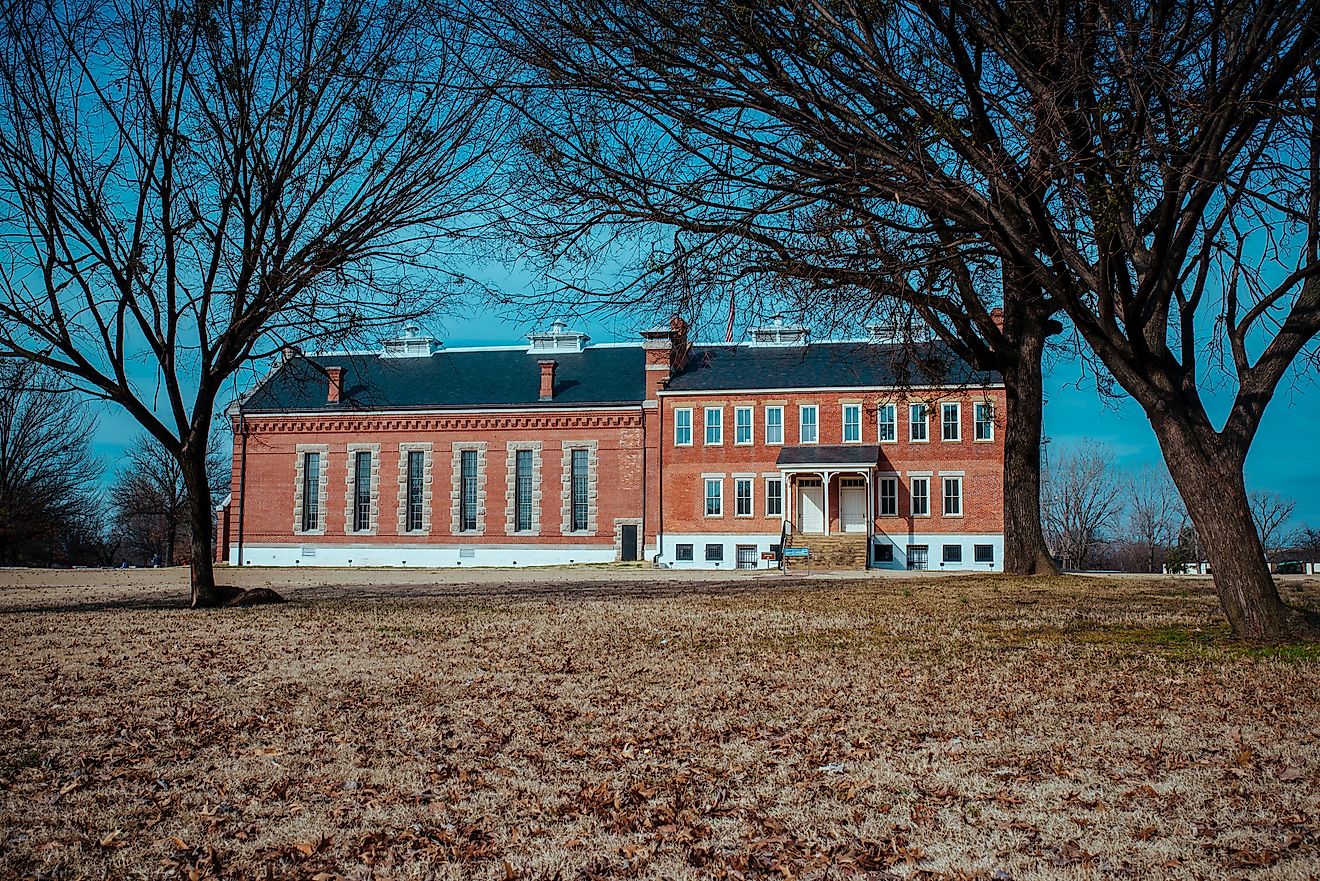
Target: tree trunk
x=201 y=567
x=1214 y=490
x=1025 y=551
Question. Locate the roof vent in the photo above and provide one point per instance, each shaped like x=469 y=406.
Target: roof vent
x=410 y=345
x=557 y=339
x=776 y=333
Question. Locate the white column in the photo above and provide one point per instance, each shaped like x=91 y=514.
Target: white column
x=825 y=484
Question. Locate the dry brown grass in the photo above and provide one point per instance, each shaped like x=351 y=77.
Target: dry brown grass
x=976 y=727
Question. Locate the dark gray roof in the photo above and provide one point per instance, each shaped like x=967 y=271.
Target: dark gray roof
x=826 y=365
x=830 y=454
x=460 y=378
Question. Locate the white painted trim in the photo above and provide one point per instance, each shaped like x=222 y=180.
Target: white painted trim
x=825 y=389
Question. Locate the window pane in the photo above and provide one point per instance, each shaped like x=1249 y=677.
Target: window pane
x=953 y=553
x=774 y=425
x=985 y=422
x=682 y=427
x=852 y=423
x=682 y=552
x=743 y=425
x=362 y=492
x=715 y=552
x=952 y=496
x=917 y=422
x=742 y=496
x=714 y=425
x=579 y=490
x=983 y=553
x=714 y=498
x=774 y=497
x=952 y=422
x=888 y=422
x=888 y=497
x=467 y=518
x=808 y=425
x=522 y=468
x=920 y=496
x=311 y=513
x=415 y=489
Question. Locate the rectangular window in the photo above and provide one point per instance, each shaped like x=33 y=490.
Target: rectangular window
x=522 y=490
x=920 y=496
x=714 y=426
x=774 y=497
x=953 y=497
x=683 y=427
x=882 y=552
x=774 y=425
x=807 y=425
x=742 y=425
x=917 y=428
x=918 y=556
x=984 y=412
x=416 y=466
x=714 y=553
x=889 y=497
x=361 y=491
x=682 y=552
x=953 y=553
x=742 y=497
x=714 y=497
x=467 y=481
x=887 y=418
x=578 y=489
x=983 y=553
x=951 y=422
x=852 y=423
x=311 y=492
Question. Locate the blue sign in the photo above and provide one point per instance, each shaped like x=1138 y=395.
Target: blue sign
x=797 y=552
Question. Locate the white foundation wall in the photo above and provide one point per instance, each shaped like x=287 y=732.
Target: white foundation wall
x=426 y=556
x=935 y=543
x=728 y=541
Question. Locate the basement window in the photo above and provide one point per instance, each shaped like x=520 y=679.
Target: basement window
x=682 y=552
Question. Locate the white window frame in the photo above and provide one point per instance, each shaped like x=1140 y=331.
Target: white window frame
x=751 y=426
x=739 y=483
x=957 y=424
x=706 y=496
x=892 y=410
x=843 y=430
x=977 y=422
x=892 y=481
x=815 y=423
x=718 y=425
x=780 y=411
x=688 y=412
x=945 y=482
x=913 y=423
x=776 y=481
x=912 y=496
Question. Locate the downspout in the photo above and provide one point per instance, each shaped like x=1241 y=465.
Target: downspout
x=242 y=481
x=660 y=478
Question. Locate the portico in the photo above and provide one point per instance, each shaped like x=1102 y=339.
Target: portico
x=816 y=476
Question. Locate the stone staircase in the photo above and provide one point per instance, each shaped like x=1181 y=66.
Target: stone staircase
x=846 y=551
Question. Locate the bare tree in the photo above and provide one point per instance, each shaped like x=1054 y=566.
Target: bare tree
x=1152 y=170
x=1271 y=513
x=1082 y=502
x=1154 y=514
x=722 y=156
x=150 y=501
x=188 y=188
x=48 y=475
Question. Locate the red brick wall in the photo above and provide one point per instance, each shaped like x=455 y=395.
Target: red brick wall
x=272 y=459
x=982 y=462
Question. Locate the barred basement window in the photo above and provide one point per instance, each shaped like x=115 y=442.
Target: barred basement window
x=882 y=552
x=467 y=481
x=714 y=553
x=522 y=490
x=361 y=491
x=578 y=489
x=953 y=553
x=311 y=492
x=682 y=552
x=983 y=553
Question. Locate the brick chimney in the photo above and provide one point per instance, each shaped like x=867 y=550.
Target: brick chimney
x=667 y=350
x=336 y=390
x=548 y=379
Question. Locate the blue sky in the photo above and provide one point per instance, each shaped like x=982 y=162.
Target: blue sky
x=1285 y=457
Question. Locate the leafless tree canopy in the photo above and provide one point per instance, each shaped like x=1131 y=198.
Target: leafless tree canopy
x=149 y=501
x=1155 y=513
x=1083 y=502
x=1272 y=512
x=48 y=476
x=184 y=189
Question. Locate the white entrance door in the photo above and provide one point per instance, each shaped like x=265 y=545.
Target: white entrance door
x=852 y=508
x=811 y=506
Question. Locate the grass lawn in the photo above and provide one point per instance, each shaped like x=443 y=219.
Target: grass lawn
x=948 y=727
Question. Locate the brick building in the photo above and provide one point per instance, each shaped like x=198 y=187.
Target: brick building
x=866 y=452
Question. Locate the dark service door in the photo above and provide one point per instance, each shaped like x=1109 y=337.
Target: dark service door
x=628 y=537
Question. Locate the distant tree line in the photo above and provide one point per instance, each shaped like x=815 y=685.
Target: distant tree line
x=1098 y=515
